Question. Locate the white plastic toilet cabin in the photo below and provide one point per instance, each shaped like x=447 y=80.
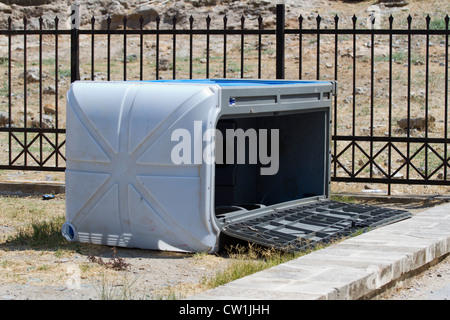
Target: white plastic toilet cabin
x=141 y=172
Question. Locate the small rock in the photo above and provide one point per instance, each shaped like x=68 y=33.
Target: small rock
x=360 y=90
x=440 y=176
x=132 y=57
x=164 y=64
x=47 y=121
x=31 y=75
x=49 y=90
x=4 y=119
x=148 y=15
x=49 y=109
x=348 y=100
x=395 y=3
x=200 y=3
x=398 y=175
x=416 y=123
x=33 y=123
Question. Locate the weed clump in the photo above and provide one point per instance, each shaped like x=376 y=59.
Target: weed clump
x=116 y=263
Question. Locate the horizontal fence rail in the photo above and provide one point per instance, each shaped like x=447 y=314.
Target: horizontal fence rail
x=390 y=117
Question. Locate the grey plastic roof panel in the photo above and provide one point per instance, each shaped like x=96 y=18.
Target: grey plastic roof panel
x=251 y=100
x=305 y=225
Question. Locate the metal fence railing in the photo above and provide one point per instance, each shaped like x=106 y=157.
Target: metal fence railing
x=390 y=118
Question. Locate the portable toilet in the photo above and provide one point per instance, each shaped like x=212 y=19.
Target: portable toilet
x=176 y=164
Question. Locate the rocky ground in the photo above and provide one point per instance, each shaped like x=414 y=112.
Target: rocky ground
x=234 y=10
x=199 y=9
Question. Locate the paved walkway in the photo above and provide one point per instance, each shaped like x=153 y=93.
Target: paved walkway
x=352 y=269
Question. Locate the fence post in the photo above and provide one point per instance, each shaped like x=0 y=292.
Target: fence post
x=74 y=42
x=280 y=46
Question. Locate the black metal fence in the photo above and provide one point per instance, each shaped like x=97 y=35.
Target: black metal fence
x=390 y=117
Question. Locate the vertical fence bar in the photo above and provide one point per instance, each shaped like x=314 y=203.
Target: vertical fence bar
x=40 y=89
x=427 y=70
x=260 y=20
x=9 y=92
x=336 y=40
x=191 y=22
x=446 y=98
x=391 y=20
x=354 y=94
x=225 y=19
x=74 y=42
x=318 y=19
x=372 y=70
x=92 y=48
x=208 y=23
x=280 y=38
x=300 y=47
x=141 y=49
x=174 y=48
x=56 y=92
x=25 y=113
x=108 y=49
x=125 y=48
x=158 y=20
x=242 y=45
x=408 y=116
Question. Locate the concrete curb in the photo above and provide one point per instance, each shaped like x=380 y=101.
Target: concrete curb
x=30 y=187
x=355 y=268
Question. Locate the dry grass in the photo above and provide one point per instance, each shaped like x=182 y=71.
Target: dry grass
x=32 y=247
x=33 y=252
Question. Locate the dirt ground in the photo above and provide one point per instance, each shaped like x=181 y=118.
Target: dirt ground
x=152 y=275
x=422 y=286
x=46 y=272
x=81 y=271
